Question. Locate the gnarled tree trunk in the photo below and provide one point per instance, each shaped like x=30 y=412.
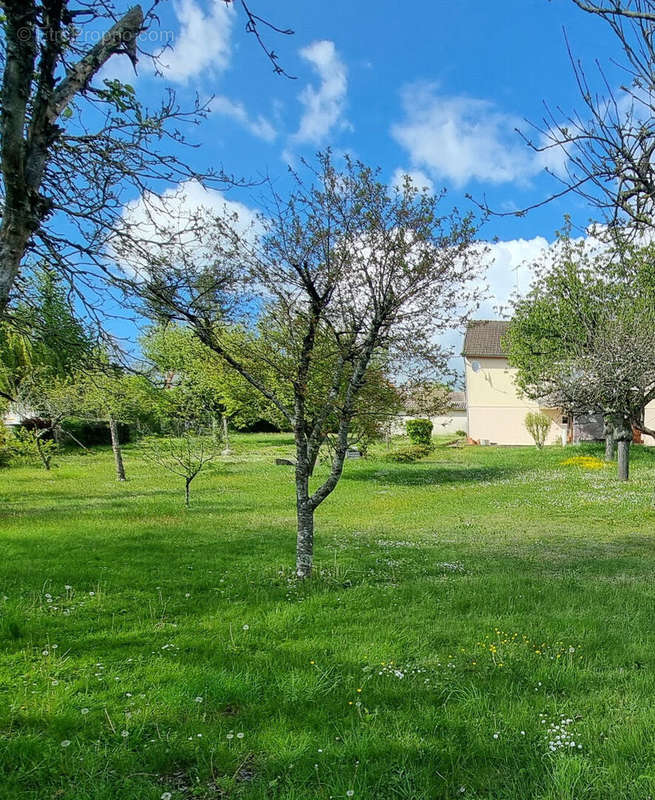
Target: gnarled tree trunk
x=304 y=511
x=116 y=447
x=305 y=539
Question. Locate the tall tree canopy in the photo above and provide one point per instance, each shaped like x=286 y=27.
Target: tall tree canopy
x=199 y=383
x=44 y=340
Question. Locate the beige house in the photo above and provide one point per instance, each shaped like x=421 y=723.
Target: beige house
x=495 y=411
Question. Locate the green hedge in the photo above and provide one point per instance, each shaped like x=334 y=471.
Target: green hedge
x=408 y=454
x=419 y=431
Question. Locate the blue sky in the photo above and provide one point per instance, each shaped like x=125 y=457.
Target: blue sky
x=435 y=88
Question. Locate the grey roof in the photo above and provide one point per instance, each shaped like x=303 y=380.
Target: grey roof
x=457 y=401
x=483 y=338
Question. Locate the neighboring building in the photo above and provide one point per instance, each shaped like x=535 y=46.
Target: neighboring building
x=452 y=421
x=496 y=412
x=15 y=416
x=455 y=419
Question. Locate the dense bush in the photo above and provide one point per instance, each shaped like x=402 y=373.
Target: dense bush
x=463 y=434
x=19 y=445
x=408 y=454
x=25 y=445
x=5 y=445
x=419 y=431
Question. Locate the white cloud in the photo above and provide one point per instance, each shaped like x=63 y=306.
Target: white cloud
x=119 y=68
x=203 y=42
x=462 y=138
x=419 y=178
x=259 y=126
x=325 y=104
x=173 y=223
x=513 y=264
x=510 y=271
x=182 y=200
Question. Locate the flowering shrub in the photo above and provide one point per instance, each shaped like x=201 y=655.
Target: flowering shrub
x=538 y=424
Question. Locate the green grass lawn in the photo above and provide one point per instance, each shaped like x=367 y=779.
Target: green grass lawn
x=466 y=612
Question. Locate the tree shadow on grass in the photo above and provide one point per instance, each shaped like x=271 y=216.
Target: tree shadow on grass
x=42 y=505
x=430 y=474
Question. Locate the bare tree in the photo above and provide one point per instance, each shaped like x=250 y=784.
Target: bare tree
x=609 y=145
x=39 y=46
x=72 y=146
x=185 y=455
x=341 y=274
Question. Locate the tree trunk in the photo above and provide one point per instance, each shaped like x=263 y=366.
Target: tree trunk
x=116 y=447
x=304 y=514
x=187 y=484
x=45 y=458
x=623 y=439
x=313 y=460
x=305 y=539
x=624 y=459
x=610 y=442
x=226 y=437
x=609 y=446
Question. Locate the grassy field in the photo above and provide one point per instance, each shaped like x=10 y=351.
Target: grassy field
x=481 y=625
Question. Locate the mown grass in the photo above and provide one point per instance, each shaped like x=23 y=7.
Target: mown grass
x=460 y=607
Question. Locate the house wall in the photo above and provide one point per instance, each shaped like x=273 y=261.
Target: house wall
x=649 y=422
x=495 y=410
